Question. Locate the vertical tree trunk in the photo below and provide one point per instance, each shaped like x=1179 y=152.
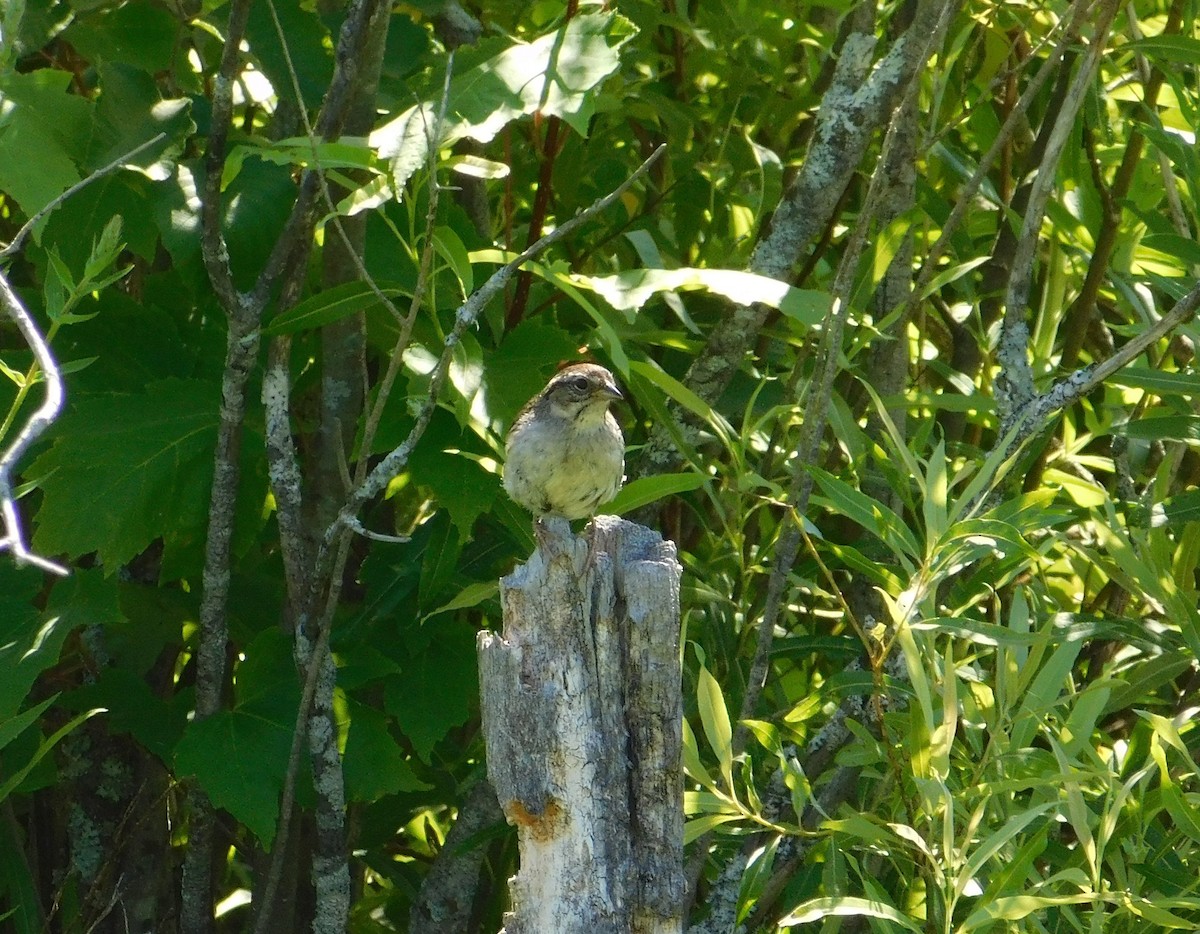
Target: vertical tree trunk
x=582 y=712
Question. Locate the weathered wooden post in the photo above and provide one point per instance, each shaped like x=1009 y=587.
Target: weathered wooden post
x=582 y=713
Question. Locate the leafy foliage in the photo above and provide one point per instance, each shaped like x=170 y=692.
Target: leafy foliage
x=980 y=691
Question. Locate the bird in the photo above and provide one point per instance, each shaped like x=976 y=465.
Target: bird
x=565 y=453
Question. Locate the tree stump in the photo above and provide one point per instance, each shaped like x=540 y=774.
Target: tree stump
x=582 y=713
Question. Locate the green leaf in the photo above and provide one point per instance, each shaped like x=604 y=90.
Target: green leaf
x=843 y=907
x=301 y=151
x=645 y=490
x=29 y=642
x=697 y=827
x=552 y=75
x=1176 y=49
x=871 y=514
x=604 y=329
x=132 y=111
x=714 y=717
x=15 y=778
x=12 y=727
x=1157 y=381
x=1174 y=427
x=436 y=690
x=685 y=397
x=953 y=274
x=145 y=461
x=630 y=290
x=139 y=33
x=693 y=765
x=374 y=764
x=471 y=595
x=521 y=365
x=41 y=117
x=1043 y=693
x=308 y=52
x=450 y=247
x=333 y=304
x=239 y=760
x=1016 y=907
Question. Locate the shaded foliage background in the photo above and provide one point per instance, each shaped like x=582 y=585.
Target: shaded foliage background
x=939 y=676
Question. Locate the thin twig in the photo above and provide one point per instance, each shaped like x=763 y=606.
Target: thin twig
x=15 y=244
x=395 y=361
x=38 y=422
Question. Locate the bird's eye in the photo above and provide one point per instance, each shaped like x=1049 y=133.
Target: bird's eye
x=581 y=384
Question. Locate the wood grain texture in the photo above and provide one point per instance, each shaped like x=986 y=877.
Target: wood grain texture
x=582 y=712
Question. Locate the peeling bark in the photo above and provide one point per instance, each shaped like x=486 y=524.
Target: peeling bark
x=582 y=713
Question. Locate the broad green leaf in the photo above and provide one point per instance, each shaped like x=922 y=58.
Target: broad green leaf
x=373 y=763
x=630 y=290
x=553 y=75
x=145 y=462
x=41 y=117
x=239 y=760
x=25 y=916
x=436 y=689
x=140 y=33
x=645 y=490
x=29 y=641
x=521 y=365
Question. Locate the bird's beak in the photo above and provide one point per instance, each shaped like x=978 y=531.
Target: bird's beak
x=611 y=389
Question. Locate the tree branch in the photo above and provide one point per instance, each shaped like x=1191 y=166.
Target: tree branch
x=35 y=425
x=1014 y=386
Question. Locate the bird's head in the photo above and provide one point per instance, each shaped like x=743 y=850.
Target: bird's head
x=582 y=392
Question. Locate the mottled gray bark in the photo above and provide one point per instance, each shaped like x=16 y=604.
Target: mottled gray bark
x=582 y=713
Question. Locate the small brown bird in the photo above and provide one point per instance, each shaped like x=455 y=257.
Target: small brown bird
x=565 y=454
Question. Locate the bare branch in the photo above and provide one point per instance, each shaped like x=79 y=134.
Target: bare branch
x=1014 y=386
x=38 y=422
x=1072 y=388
